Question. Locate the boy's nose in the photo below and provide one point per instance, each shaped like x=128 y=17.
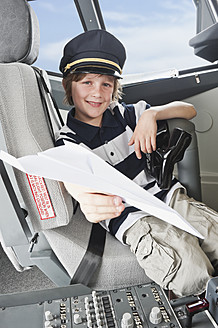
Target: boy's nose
x=97 y=91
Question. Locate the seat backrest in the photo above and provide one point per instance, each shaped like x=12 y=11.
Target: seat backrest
x=23 y=120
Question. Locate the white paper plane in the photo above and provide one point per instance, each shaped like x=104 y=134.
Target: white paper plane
x=75 y=164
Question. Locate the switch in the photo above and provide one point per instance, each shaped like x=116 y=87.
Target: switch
x=86 y=300
x=94 y=294
x=155 y=315
x=77 y=318
x=97 y=315
x=88 y=316
x=48 y=316
x=127 y=321
x=87 y=307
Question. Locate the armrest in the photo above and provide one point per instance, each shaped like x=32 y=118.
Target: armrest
x=189 y=167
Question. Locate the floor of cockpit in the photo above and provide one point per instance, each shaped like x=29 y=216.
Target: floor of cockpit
x=12 y=281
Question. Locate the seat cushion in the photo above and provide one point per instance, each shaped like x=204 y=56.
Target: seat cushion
x=119 y=266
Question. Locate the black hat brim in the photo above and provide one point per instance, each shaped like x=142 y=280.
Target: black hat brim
x=95 y=70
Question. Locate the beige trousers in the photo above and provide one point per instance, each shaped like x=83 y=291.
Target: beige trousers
x=174 y=259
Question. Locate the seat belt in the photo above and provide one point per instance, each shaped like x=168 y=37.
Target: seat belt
x=44 y=90
x=92 y=257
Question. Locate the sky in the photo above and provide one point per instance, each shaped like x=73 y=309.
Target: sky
x=155 y=33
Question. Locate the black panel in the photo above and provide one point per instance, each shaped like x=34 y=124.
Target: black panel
x=205 y=43
x=162 y=91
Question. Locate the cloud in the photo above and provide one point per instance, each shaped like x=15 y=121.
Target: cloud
x=48 y=6
x=50 y=55
x=163 y=12
x=179 y=6
x=158 y=41
x=54 y=8
x=124 y=17
x=151 y=49
x=53 y=51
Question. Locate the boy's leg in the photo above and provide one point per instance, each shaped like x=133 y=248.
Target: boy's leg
x=203 y=219
x=169 y=256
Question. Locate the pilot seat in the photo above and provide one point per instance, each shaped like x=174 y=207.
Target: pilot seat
x=55 y=243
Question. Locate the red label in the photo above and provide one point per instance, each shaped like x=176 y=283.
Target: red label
x=41 y=197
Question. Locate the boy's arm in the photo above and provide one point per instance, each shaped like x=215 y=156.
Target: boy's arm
x=95 y=206
x=144 y=136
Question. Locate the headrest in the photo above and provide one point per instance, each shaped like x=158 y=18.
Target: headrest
x=19 y=32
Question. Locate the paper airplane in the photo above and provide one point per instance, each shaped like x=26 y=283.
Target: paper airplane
x=75 y=164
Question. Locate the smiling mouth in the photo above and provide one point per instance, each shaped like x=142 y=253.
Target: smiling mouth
x=94 y=104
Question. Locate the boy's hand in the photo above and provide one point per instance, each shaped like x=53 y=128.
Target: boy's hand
x=96 y=206
x=144 y=136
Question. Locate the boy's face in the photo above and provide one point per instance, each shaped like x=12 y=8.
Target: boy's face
x=91 y=97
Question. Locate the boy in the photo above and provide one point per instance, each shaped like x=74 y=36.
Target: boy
x=121 y=134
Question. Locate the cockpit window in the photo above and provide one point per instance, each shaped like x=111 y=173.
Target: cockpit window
x=156 y=33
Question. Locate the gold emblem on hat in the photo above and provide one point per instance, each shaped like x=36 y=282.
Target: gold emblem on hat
x=99 y=60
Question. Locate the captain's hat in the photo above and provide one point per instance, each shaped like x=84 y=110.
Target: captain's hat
x=95 y=51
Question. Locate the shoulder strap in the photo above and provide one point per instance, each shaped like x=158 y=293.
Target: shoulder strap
x=92 y=257
x=55 y=120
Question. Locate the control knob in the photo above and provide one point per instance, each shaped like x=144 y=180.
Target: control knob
x=48 y=316
x=127 y=321
x=155 y=315
x=77 y=318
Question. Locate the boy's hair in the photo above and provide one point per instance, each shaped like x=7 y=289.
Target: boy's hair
x=117 y=92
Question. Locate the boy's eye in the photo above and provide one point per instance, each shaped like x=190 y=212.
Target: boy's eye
x=108 y=85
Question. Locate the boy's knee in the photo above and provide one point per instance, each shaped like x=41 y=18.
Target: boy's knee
x=159 y=262
x=191 y=279
x=190 y=286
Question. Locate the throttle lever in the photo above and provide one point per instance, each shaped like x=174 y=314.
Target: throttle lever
x=192 y=308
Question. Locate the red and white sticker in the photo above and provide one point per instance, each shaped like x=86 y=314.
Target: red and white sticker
x=41 y=197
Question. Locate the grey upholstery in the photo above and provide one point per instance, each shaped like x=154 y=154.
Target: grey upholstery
x=22 y=116
x=25 y=132
x=119 y=266
x=19 y=37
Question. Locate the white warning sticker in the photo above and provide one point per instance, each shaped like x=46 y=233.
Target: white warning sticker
x=41 y=197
